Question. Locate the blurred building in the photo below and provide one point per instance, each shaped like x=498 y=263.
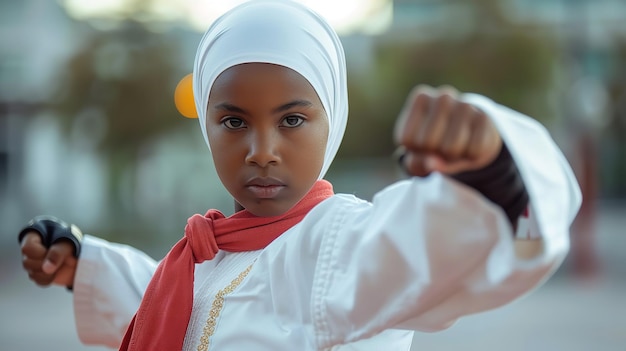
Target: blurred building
x=35 y=39
x=42 y=169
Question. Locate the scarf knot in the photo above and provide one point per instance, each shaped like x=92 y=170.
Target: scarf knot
x=200 y=235
x=162 y=319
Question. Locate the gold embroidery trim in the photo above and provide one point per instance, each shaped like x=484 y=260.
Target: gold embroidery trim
x=216 y=309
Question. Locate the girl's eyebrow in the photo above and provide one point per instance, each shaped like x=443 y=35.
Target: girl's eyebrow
x=229 y=108
x=225 y=106
x=290 y=105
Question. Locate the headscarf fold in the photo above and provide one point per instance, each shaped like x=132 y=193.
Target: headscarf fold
x=280 y=32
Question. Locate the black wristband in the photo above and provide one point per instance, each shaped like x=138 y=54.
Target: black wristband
x=501 y=183
x=53 y=230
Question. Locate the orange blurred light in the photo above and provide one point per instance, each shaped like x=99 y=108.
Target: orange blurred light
x=183 y=97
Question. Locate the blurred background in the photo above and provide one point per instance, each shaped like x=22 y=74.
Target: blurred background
x=89 y=133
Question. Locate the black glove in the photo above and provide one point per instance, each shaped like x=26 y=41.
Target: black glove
x=53 y=230
x=501 y=183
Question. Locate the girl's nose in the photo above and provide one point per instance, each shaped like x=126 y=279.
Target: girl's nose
x=263 y=149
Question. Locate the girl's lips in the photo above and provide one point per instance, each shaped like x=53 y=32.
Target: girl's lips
x=266 y=191
x=264 y=181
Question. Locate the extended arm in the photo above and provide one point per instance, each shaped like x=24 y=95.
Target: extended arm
x=431 y=250
x=109 y=284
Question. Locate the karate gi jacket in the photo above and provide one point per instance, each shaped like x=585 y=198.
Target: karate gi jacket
x=358 y=275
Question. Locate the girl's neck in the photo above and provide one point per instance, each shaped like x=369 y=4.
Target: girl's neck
x=238 y=207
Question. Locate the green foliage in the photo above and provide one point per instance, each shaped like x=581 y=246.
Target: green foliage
x=127 y=74
x=513 y=69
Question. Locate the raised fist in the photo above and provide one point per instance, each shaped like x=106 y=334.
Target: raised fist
x=439 y=133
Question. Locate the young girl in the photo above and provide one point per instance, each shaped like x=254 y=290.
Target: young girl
x=301 y=268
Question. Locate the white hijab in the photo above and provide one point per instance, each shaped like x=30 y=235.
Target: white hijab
x=280 y=32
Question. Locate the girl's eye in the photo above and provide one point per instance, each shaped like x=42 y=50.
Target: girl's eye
x=233 y=123
x=292 y=121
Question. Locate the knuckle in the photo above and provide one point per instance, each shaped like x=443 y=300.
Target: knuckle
x=463 y=112
x=480 y=118
x=420 y=100
x=32 y=237
x=447 y=95
x=448 y=89
x=466 y=109
x=421 y=89
x=445 y=103
x=31 y=245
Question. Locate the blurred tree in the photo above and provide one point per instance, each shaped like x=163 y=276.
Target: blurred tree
x=127 y=76
x=495 y=57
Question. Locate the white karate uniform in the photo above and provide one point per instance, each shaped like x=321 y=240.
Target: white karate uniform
x=355 y=275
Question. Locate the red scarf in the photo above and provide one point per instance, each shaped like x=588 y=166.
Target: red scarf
x=162 y=319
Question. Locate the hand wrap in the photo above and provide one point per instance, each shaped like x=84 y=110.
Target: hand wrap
x=53 y=230
x=501 y=183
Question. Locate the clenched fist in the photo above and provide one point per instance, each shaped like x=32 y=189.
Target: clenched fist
x=45 y=266
x=50 y=248
x=440 y=133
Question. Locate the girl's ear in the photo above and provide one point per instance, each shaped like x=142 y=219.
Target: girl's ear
x=238 y=206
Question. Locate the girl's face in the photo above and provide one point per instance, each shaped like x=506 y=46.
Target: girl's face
x=267 y=130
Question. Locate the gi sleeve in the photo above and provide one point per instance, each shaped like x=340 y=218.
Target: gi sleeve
x=428 y=251
x=109 y=284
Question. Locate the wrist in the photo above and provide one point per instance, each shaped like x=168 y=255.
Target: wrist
x=501 y=183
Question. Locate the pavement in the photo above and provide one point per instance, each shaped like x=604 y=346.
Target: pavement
x=566 y=313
